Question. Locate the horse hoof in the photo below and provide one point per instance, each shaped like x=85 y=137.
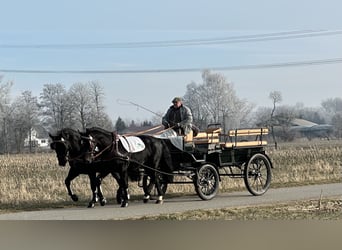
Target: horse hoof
x=103 y=202
x=91 y=205
x=74 y=197
x=146 y=198
x=124 y=204
x=159 y=202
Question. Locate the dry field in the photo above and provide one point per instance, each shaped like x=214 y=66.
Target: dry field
x=36 y=181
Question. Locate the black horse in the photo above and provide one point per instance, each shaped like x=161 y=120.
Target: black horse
x=155 y=159
x=73 y=147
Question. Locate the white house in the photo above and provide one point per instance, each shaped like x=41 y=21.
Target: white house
x=35 y=141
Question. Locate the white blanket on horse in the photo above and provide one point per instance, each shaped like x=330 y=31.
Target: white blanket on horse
x=132 y=144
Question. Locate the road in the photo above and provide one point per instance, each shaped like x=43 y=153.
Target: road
x=137 y=209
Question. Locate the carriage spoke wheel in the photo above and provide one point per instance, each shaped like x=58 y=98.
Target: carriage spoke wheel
x=207 y=182
x=150 y=188
x=257 y=174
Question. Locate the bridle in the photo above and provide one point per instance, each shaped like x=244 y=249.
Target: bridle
x=67 y=156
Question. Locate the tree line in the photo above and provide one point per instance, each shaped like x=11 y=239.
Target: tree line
x=78 y=107
x=213 y=100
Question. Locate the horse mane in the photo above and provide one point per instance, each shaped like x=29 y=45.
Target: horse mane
x=102 y=136
x=99 y=130
x=72 y=136
x=65 y=131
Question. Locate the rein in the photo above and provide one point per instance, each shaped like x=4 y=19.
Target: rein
x=160 y=132
x=102 y=151
x=144 y=131
x=140 y=164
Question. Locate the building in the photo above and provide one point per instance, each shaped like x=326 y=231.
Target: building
x=35 y=140
x=296 y=128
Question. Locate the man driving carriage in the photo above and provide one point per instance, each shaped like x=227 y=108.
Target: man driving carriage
x=178 y=117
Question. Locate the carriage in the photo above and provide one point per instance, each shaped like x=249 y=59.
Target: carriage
x=203 y=160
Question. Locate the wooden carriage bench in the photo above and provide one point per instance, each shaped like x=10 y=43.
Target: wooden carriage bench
x=235 y=135
x=235 y=138
x=210 y=136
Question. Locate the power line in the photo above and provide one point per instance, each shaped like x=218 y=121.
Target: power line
x=179 y=70
x=177 y=43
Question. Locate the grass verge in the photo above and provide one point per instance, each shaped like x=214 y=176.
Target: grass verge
x=326 y=209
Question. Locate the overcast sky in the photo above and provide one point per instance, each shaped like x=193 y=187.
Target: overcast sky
x=41 y=22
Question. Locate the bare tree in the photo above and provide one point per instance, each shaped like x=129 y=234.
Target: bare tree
x=193 y=98
x=99 y=116
x=333 y=105
x=262 y=117
x=215 y=101
x=333 y=108
x=25 y=118
x=79 y=107
x=56 y=107
x=4 y=94
x=276 y=97
x=81 y=102
x=97 y=95
x=5 y=111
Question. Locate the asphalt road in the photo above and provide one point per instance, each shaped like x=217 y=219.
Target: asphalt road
x=137 y=209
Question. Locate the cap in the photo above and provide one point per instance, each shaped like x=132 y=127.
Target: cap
x=176 y=99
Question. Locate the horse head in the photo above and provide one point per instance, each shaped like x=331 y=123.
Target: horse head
x=71 y=146
x=60 y=146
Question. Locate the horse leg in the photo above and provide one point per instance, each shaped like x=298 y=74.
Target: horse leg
x=93 y=185
x=71 y=175
x=159 y=189
x=124 y=185
x=158 y=176
x=116 y=176
x=99 y=179
x=148 y=184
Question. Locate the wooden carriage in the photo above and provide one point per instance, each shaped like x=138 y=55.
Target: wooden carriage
x=211 y=154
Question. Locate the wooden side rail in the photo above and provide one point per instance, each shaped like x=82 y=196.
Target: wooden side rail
x=245 y=144
x=212 y=136
x=213 y=130
x=234 y=134
x=207 y=138
x=247 y=132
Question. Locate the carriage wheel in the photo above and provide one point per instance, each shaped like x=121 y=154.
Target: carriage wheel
x=150 y=188
x=257 y=174
x=207 y=182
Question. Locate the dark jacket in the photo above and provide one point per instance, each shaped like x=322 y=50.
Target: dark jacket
x=180 y=118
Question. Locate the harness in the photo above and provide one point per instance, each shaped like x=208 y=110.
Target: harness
x=119 y=156
x=114 y=147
